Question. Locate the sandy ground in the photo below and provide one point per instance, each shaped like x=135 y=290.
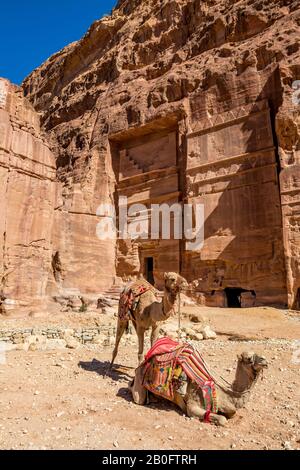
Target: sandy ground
x=63 y=400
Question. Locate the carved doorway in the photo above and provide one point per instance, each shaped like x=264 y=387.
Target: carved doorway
x=238 y=297
x=149 y=270
x=297 y=301
x=233 y=297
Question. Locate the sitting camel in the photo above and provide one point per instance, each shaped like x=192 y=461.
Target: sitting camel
x=229 y=398
x=148 y=312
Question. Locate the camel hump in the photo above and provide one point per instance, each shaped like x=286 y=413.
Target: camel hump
x=140 y=286
x=130 y=297
x=169 y=363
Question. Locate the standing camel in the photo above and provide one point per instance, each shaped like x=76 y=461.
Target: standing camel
x=148 y=312
x=230 y=398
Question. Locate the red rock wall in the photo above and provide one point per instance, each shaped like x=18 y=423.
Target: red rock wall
x=27 y=198
x=288 y=135
x=232 y=170
x=217 y=73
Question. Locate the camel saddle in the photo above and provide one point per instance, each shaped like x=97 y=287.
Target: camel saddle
x=169 y=364
x=130 y=297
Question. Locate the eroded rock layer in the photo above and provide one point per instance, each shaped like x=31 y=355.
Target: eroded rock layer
x=180 y=100
x=27 y=199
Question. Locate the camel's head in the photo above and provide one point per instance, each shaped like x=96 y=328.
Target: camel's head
x=253 y=362
x=175 y=283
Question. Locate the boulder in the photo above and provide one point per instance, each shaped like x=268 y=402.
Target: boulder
x=36 y=342
x=193 y=335
x=208 y=333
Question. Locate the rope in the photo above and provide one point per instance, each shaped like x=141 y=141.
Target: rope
x=227 y=388
x=179 y=317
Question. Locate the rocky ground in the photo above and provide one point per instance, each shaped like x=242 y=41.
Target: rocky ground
x=62 y=399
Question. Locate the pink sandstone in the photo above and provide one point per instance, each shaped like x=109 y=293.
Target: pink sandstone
x=165 y=101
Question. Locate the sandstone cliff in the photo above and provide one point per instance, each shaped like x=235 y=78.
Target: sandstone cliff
x=27 y=197
x=213 y=76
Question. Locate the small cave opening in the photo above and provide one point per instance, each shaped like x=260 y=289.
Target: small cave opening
x=80 y=142
x=2 y=299
x=57 y=267
x=234 y=296
x=149 y=270
x=296 y=305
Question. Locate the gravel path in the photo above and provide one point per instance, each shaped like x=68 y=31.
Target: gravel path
x=63 y=400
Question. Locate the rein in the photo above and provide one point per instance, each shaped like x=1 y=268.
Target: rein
x=179 y=316
x=226 y=386
x=171 y=298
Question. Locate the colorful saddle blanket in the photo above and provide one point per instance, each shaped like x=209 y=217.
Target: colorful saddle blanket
x=130 y=297
x=168 y=364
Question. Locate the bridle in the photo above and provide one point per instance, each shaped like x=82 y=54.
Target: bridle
x=226 y=386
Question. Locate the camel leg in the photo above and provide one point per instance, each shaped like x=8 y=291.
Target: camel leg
x=134 y=325
x=218 y=420
x=141 y=334
x=154 y=333
x=195 y=411
x=122 y=325
x=139 y=393
x=179 y=401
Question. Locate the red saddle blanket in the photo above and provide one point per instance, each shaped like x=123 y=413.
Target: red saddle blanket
x=164 y=365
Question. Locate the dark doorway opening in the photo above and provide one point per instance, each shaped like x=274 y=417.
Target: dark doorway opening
x=297 y=301
x=234 y=296
x=149 y=268
x=236 y=300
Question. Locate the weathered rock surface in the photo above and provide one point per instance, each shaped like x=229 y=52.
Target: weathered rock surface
x=181 y=100
x=27 y=200
x=208 y=333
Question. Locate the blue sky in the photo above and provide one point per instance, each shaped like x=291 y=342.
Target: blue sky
x=32 y=30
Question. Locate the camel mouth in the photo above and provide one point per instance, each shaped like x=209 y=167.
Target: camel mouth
x=184 y=287
x=175 y=283
x=174 y=288
x=262 y=364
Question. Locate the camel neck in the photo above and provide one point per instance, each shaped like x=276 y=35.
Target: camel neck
x=242 y=385
x=169 y=303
